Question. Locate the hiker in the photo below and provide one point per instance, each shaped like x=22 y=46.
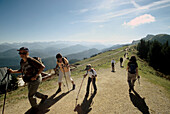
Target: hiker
x=113 y=65
x=125 y=55
x=121 y=61
x=31 y=73
x=132 y=68
x=92 y=78
x=64 y=69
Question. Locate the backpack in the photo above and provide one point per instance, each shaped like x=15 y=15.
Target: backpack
x=38 y=58
x=92 y=70
x=28 y=79
x=132 y=68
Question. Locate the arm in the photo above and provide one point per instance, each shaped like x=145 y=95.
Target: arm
x=14 y=71
x=137 y=74
x=95 y=74
x=37 y=65
x=85 y=74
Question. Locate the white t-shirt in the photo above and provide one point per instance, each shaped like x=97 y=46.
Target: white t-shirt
x=91 y=73
x=113 y=61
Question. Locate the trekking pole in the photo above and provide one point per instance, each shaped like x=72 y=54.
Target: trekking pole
x=6 y=75
x=91 y=84
x=79 y=90
x=65 y=77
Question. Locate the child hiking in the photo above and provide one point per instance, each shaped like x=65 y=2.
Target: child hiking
x=132 y=68
x=64 y=69
x=31 y=71
x=92 y=78
x=113 y=65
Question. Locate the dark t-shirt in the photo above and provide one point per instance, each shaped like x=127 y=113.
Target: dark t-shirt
x=132 y=67
x=29 y=68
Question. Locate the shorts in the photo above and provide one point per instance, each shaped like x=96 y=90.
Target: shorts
x=131 y=76
x=68 y=76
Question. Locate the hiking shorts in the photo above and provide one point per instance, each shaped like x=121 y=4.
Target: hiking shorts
x=68 y=76
x=131 y=76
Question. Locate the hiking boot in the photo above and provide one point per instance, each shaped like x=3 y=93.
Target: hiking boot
x=59 y=90
x=74 y=86
x=43 y=99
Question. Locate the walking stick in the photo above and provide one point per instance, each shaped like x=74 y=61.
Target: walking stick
x=79 y=91
x=91 y=84
x=65 y=77
x=6 y=75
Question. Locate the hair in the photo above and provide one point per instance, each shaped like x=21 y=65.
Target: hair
x=133 y=59
x=59 y=55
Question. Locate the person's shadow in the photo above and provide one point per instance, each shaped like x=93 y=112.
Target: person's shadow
x=44 y=107
x=85 y=106
x=139 y=102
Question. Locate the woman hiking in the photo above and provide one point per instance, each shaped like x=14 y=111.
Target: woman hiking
x=132 y=68
x=64 y=69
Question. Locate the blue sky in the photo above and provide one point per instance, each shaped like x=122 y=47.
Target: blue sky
x=106 y=21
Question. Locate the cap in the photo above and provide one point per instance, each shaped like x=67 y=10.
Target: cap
x=23 y=48
x=88 y=66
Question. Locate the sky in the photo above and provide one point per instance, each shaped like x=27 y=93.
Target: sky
x=104 y=21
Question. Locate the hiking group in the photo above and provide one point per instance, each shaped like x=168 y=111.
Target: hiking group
x=31 y=69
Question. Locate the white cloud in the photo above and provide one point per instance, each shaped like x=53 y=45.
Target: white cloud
x=101 y=26
x=111 y=4
x=143 y=19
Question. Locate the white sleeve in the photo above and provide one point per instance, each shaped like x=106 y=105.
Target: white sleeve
x=94 y=72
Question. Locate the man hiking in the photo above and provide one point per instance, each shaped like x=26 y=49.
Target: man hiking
x=31 y=72
x=92 y=78
x=132 y=68
x=113 y=65
x=64 y=69
x=121 y=61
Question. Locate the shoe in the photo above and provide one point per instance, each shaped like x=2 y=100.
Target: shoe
x=129 y=90
x=43 y=99
x=59 y=90
x=74 y=87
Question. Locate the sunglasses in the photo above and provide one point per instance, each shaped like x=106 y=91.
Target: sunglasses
x=24 y=53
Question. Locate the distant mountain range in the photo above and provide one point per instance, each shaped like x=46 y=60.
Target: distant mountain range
x=83 y=54
x=162 y=38
x=47 y=50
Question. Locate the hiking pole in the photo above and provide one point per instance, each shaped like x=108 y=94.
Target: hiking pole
x=91 y=84
x=6 y=75
x=79 y=90
x=65 y=77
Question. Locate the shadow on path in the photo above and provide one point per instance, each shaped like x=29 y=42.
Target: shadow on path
x=44 y=108
x=85 y=106
x=139 y=102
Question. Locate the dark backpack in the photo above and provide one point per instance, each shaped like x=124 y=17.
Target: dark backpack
x=132 y=68
x=28 y=79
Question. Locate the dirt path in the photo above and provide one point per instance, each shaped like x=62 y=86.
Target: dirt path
x=112 y=97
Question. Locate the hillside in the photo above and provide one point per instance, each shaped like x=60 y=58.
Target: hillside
x=82 y=55
x=112 y=96
x=162 y=38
